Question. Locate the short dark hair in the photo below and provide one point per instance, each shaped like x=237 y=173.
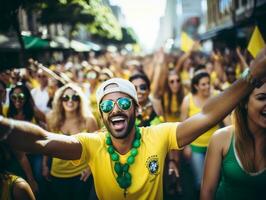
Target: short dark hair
x=141 y=76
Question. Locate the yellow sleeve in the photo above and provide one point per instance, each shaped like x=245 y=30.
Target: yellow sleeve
x=166 y=132
x=90 y=143
x=172 y=136
x=83 y=139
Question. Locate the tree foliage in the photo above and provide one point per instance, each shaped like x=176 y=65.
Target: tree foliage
x=98 y=18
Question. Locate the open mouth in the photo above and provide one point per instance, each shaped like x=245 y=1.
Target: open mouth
x=118 y=122
x=263 y=113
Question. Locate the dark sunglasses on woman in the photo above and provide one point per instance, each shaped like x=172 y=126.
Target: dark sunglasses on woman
x=124 y=103
x=174 y=81
x=142 y=87
x=74 y=97
x=18 y=97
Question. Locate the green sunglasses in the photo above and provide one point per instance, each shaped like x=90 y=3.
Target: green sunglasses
x=108 y=105
x=18 y=97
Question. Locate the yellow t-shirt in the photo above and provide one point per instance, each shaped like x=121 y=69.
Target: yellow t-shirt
x=66 y=169
x=213 y=77
x=6 y=192
x=146 y=171
x=203 y=140
x=185 y=76
x=174 y=115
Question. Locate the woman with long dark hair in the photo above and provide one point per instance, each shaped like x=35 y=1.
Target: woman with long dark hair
x=168 y=96
x=235 y=166
x=21 y=104
x=172 y=97
x=22 y=107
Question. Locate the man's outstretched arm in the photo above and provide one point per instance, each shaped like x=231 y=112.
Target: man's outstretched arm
x=25 y=136
x=217 y=107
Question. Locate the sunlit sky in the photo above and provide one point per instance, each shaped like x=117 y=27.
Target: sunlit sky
x=143 y=16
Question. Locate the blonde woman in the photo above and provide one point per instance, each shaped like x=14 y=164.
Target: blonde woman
x=70 y=115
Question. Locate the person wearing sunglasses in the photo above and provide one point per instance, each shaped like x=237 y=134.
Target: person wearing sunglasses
x=70 y=115
x=172 y=97
x=147 y=114
x=22 y=107
x=169 y=94
x=127 y=161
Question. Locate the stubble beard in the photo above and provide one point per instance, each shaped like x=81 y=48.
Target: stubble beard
x=125 y=133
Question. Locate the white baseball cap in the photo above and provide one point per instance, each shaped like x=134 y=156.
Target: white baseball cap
x=119 y=85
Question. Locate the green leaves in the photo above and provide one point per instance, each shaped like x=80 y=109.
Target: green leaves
x=97 y=17
x=105 y=23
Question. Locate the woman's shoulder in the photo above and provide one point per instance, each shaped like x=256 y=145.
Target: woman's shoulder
x=187 y=98
x=22 y=190
x=223 y=133
x=222 y=138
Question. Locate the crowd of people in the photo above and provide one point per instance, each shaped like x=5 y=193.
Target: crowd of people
x=119 y=126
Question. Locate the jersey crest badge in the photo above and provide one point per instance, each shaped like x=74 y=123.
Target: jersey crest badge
x=152 y=164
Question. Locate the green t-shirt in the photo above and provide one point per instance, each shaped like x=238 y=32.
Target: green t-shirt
x=236 y=183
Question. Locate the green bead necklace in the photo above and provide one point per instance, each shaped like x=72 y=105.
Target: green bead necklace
x=122 y=170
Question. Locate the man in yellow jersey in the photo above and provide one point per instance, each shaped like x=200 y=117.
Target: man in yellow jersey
x=126 y=161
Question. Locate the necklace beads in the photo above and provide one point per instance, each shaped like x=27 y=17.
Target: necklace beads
x=124 y=177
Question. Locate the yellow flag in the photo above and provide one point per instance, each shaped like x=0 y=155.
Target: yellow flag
x=256 y=42
x=186 y=42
